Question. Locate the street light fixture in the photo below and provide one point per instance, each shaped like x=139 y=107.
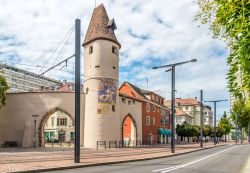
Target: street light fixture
x=215 y=101
x=172 y=68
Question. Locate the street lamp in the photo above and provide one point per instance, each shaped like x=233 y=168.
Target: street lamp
x=215 y=101
x=34 y=136
x=172 y=68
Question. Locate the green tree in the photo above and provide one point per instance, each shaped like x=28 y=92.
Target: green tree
x=241 y=113
x=229 y=20
x=3 y=89
x=225 y=125
x=219 y=132
x=207 y=131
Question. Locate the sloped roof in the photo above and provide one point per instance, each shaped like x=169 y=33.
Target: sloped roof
x=183 y=102
x=137 y=90
x=179 y=112
x=98 y=27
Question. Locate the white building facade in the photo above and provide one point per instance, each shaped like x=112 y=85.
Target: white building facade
x=20 y=80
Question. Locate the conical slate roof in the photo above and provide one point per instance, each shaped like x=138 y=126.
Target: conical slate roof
x=98 y=27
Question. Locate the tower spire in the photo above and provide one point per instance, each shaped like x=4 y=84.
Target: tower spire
x=100 y=27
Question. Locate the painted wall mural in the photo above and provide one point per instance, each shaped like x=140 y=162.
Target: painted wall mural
x=107 y=91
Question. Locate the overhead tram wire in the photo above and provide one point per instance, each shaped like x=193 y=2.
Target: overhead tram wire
x=56 y=65
x=68 y=33
x=62 y=47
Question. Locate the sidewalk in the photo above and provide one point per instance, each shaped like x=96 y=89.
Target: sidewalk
x=42 y=159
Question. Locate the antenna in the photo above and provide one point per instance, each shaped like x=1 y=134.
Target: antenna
x=147 y=82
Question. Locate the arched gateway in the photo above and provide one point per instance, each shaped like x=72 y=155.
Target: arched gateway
x=129 y=129
x=44 y=119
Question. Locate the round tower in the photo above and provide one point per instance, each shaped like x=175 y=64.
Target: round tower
x=101 y=70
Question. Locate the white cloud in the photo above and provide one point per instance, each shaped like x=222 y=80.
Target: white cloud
x=165 y=33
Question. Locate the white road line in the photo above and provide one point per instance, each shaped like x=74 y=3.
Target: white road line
x=164 y=170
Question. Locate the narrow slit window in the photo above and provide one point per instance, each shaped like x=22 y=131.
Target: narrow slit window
x=97 y=66
x=90 y=49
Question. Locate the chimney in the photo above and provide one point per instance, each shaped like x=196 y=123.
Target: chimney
x=64 y=81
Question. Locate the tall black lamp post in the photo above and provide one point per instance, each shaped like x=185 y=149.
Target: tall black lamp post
x=215 y=102
x=172 y=68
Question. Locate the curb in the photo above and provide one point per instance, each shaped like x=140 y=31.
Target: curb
x=109 y=163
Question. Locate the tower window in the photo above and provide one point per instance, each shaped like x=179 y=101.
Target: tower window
x=114 y=50
x=114 y=67
x=90 y=49
x=113 y=108
x=97 y=66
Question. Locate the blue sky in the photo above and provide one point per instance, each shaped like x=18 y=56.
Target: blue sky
x=152 y=33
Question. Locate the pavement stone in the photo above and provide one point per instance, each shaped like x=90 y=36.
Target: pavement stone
x=44 y=159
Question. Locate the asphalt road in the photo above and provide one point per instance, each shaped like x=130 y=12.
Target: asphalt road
x=223 y=159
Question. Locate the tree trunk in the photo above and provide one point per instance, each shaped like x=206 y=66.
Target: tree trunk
x=225 y=137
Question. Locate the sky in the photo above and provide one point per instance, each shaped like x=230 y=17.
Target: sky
x=34 y=35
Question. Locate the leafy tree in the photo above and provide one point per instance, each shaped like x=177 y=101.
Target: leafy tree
x=219 y=132
x=207 y=130
x=229 y=20
x=225 y=124
x=187 y=130
x=3 y=88
x=241 y=113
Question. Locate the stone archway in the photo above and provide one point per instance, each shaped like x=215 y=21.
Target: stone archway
x=129 y=129
x=43 y=120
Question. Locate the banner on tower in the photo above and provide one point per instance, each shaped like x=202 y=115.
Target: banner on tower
x=107 y=91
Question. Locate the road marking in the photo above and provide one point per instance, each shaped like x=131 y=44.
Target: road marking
x=164 y=170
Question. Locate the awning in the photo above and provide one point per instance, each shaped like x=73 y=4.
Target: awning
x=167 y=132
x=164 y=132
x=161 y=131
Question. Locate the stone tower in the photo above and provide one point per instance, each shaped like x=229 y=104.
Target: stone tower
x=101 y=70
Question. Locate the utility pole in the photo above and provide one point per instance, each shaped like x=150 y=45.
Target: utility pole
x=173 y=111
x=242 y=135
x=215 y=101
x=236 y=128
x=172 y=68
x=201 y=119
x=77 y=88
x=249 y=132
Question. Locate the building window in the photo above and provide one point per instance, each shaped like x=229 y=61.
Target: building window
x=162 y=122
x=153 y=120
x=178 y=120
x=157 y=99
x=61 y=121
x=129 y=102
x=90 y=49
x=153 y=97
x=114 y=50
x=148 y=107
x=123 y=100
x=147 y=120
x=186 y=107
x=113 y=108
x=72 y=136
x=154 y=108
x=52 y=121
